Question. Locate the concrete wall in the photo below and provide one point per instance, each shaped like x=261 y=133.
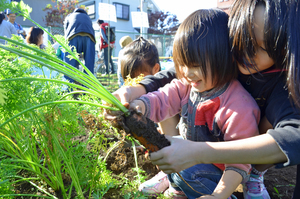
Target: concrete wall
x=37 y=13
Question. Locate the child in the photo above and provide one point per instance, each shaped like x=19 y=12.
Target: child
x=213 y=105
x=139 y=57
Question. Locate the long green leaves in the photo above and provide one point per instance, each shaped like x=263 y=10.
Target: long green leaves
x=92 y=85
x=32 y=142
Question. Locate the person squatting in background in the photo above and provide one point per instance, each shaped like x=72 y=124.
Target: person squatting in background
x=36 y=36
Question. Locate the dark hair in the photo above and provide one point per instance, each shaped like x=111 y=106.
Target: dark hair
x=33 y=35
x=2 y=16
x=242 y=31
x=202 y=41
x=281 y=36
x=293 y=55
x=99 y=21
x=138 y=57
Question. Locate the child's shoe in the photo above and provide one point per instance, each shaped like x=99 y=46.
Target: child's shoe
x=156 y=185
x=173 y=193
x=254 y=188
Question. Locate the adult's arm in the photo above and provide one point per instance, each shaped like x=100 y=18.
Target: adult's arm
x=183 y=154
x=154 y=82
x=285 y=118
x=150 y=83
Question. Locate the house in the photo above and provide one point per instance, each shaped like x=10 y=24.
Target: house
x=224 y=5
x=123 y=26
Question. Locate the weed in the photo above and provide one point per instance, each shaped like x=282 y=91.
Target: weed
x=281 y=195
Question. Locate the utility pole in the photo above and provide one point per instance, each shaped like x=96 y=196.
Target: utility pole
x=141 y=31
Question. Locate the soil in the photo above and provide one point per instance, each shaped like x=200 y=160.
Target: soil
x=283 y=180
x=121 y=161
x=279 y=182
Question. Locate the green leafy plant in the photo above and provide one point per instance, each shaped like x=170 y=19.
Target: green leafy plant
x=90 y=84
x=37 y=122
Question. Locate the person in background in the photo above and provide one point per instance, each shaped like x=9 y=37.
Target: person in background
x=12 y=19
x=124 y=41
x=79 y=32
x=107 y=48
x=139 y=57
x=6 y=28
x=36 y=36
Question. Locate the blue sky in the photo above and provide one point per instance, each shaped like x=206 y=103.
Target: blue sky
x=186 y=7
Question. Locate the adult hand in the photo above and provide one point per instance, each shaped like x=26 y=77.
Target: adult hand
x=177 y=157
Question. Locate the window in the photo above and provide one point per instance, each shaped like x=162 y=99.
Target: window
x=122 y=11
x=91 y=9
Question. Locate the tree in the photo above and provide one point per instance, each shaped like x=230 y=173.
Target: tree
x=162 y=23
x=56 y=16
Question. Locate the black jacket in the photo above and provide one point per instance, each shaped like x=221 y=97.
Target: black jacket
x=77 y=22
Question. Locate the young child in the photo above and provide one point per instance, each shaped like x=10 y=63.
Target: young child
x=213 y=105
x=139 y=57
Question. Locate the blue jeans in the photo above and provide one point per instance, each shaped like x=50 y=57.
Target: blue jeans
x=108 y=59
x=85 y=45
x=201 y=177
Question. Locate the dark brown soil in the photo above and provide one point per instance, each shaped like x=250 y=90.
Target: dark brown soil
x=142 y=129
x=280 y=183
x=121 y=161
x=283 y=180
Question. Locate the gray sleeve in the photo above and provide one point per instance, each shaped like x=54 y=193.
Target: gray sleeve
x=13 y=29
x=243 y=173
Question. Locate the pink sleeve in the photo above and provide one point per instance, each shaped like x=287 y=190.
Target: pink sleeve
x=167 y=101
x=238 y=116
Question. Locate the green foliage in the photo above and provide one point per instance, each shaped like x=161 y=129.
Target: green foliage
x=41 y=124
x=277 y=193
x=57 y=14
x=5 y=175
x=162 y=23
